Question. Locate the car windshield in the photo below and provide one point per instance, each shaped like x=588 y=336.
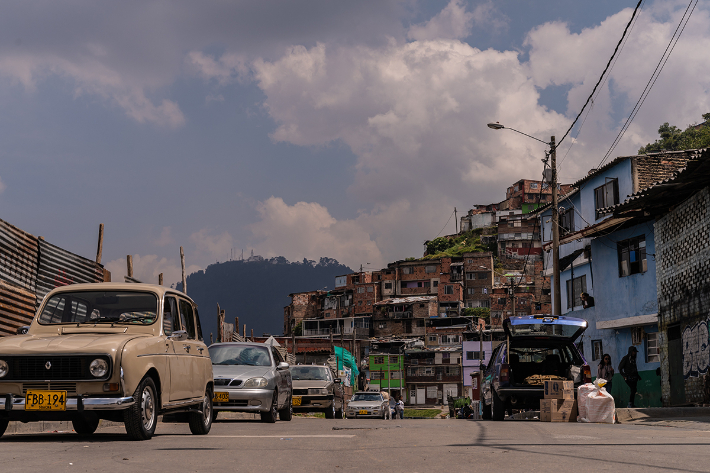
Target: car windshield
x=121 y=307
x=367 y=397
x=309 y=372
x=239 y=355
x=544 y=355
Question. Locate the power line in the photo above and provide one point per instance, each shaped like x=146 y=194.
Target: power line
x=603 y=73
x=447 y=222
x=654 y=76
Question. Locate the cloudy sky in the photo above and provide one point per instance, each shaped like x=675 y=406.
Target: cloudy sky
x=311 y=128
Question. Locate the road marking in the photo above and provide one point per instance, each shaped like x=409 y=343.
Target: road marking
x=278 y=436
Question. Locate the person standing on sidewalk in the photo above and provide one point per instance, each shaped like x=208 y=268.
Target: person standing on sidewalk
x=400 y=407
x=627 y=369
x=606 y=371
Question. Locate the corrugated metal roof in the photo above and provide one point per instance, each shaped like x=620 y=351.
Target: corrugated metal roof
x=58 y=267
x=18 y=257
x=17 y=308
x=405 y=300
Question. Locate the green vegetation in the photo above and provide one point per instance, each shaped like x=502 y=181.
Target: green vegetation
x=480 y=312
x=421 y=412
x=469 y=242
x=320 y=415
x=410 y=258
x=673 y=139
x=298 y=329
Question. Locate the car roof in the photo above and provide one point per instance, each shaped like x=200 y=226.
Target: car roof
x=253 y=344
x=120 y=286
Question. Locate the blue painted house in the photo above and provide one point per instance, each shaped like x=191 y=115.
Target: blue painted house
x=612 y=260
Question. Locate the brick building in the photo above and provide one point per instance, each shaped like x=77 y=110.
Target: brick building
x=304 y=305
x=403 y=316
x=478 y=279
x=432 y=374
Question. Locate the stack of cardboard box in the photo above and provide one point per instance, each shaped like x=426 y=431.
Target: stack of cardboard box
x=559 y=404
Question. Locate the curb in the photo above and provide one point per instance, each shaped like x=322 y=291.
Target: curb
x=633 y=414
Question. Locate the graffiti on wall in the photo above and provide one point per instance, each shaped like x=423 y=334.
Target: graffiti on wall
x=696 y=350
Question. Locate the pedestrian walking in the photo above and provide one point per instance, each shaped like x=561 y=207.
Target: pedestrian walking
x=628 y=370
x=400 y=407
x=606 y=371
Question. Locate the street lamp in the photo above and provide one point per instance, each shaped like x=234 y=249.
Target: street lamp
x=557 y=302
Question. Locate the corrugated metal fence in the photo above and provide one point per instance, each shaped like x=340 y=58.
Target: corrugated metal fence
x=31 y=267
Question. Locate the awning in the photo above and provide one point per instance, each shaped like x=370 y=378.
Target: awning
x=626 y=322
x=567 y=260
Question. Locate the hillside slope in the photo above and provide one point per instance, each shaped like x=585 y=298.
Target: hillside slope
x=256 y=290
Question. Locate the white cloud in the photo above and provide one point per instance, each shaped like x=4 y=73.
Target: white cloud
x=146 y=269
x=165 y=238
x=307 y=230
x=214 y=246
x=453 y=22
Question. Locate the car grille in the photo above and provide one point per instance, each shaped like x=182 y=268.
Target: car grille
x=70 y=388
x=300 y=392
x=227 y=382
x=61 y=368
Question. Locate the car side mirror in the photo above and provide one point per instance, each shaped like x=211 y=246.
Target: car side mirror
x=282 y=366
x=178 y=336
x=337 y=381
x=23 y=330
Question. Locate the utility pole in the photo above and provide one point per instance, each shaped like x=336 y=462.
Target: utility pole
x=100 y=249
x=456 y=221
x=129 y=265
x=182 y=263
x=557 y=303
x=160 y=279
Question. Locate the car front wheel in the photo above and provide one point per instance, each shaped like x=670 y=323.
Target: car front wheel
x=270 y=416
x=141 y=418
x=287 y=412
x=201 y=422
x=497 y=407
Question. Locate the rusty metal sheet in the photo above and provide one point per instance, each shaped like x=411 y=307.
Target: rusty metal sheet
x=58 y=267
x=18 y=256
x=17 y=308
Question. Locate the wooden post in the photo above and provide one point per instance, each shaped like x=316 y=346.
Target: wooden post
x=245 y=331
x=211 y=339
x=252 y=335
x=182 y=263
x=100 y=249
x=332 y=345
x=160 y=279
x=129 y=265
x=293 y=338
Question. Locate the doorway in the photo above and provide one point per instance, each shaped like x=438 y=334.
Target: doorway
x=675 y=365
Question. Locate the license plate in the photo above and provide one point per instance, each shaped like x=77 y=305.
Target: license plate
x=296 y=401
x=363 y=412
x=221 y=397
x=46 y=400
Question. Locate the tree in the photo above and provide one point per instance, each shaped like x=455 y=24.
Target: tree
x=673 y=139
x=480 y=312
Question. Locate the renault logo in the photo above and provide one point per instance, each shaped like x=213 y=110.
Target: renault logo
x=48 y=365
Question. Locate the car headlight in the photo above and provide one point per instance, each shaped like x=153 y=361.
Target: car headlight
x=317 y=391
x=256 y=383
x=98 y=368
x=4 y=368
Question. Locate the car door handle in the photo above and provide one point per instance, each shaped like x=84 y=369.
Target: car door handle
x=200 y=349
x=187 y=348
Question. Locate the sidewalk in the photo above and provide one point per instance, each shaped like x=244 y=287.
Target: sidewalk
x=625 y=415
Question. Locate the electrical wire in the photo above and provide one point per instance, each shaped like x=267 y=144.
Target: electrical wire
x=447 y=222
x=654 y=76
x=616 y=49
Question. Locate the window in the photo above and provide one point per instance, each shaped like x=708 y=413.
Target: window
x=370 y=288
x=632 y=256
x=470 y=290
x=171 y=320
x=394 y=375
x=393 y=360
x=360 y=290
x=653 y=354
x=379 y=360
x=597 y=350
x=606 y=195
x=378 y=375
x=407 y=270
x=187 y=318
x=483 y=275
x=567 y=221
x=432 y=338
x=533 y=185
x=383 y=324
x=420 y=323
x=517 y=223
x=469 y=355
x=430 y=269
x=448 y=289
x=388 y=285
x=356 y=279
x=435 y=283
x=470 y=276
x=575 y=287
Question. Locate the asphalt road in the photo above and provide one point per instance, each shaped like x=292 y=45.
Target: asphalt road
x=308 y=444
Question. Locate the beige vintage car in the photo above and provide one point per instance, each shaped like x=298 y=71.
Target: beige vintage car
x=121 y=352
